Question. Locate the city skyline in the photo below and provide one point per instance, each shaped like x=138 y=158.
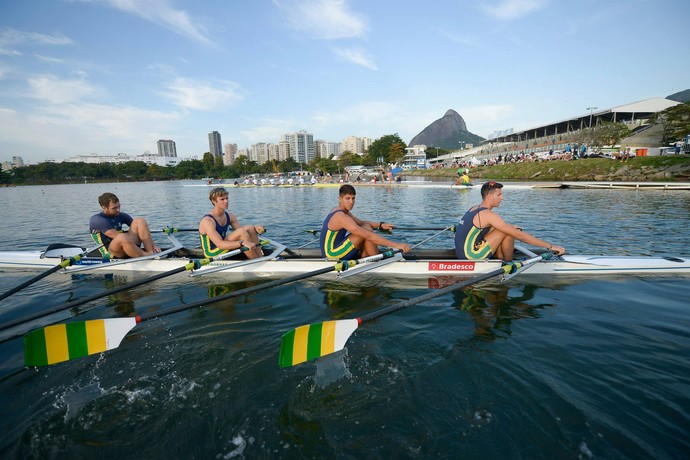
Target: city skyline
x=72 y=83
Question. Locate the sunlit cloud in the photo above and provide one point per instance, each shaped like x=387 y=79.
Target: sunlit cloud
x=324 y=19
x=99 y=128
x=269 y=130
x=357 y=56
x=11 y=39
x=513 y=9
x=160 y=12
x=54 y=90
x=198 y=95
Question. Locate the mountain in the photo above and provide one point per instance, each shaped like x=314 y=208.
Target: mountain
x=447 y=132
x=682 y=96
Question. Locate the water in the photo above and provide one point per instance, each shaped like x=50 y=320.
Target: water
x=552 y=368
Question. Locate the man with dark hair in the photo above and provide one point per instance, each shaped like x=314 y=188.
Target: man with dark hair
x=344 y=236
x=106 y=228
x=482 y=234
x=214 y=226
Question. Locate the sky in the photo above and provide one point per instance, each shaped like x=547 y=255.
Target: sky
x=114 y=76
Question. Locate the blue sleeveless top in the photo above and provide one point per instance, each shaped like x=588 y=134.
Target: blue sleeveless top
x=210 y=249
x=469 y=239
x=335 y=244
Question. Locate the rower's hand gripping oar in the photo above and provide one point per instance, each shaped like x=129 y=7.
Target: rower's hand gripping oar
x=66 y=341
x=320 y=339
x=64 y=264
x=193 y=264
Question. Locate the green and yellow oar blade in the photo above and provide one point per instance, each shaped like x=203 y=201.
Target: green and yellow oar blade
x=62 y=342
x=314 y=340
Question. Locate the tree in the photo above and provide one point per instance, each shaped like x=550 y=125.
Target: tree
x=209 y=163
x=386 y=149
x=348 y=158
x=675 y=120
x=602 y=135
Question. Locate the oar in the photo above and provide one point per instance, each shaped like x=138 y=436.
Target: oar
x=412 y=229
x=110 y=263
x=62 y=342
x=193 y=264
x=320 y=339
x=65 y=263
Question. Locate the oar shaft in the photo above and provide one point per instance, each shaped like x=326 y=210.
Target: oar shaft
x=241 y=292
x=262 y=287
x=196 y=263
x=30 y=282
x=453 y=287
x=423 y=298
x=76 y=303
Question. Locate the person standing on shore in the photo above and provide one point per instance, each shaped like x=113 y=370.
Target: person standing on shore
x=214 y=226
x=345 y=237
x=483 y=234
x=106 y=228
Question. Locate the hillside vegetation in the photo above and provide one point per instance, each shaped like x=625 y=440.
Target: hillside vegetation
x=643 y=169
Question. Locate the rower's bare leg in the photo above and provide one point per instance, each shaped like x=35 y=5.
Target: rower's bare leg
x=141 y=233
x=502 y=245
x=254 y=238
x=124 y=246
x=366 y=247
x=245 y=234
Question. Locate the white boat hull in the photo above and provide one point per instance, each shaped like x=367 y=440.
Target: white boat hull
x=438 y=264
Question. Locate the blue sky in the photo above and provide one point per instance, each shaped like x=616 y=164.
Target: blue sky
x=110 y=76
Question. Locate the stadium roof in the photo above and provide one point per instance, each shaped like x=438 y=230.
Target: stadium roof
x=620 y=114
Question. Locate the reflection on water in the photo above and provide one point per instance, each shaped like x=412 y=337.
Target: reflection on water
x=534 y=368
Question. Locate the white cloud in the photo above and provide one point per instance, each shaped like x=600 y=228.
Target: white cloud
x=269 y=130
x=324 y=19
x=52 y=89
x=487 y=118
x=73 y=129
x=513 y=9
x=162 y=13
x=198 y=95
x=12 y=38
x=357 y=56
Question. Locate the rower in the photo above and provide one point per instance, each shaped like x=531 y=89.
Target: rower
x=483 y=234
x=106 y=229
x=345 y=237
x=213 y=229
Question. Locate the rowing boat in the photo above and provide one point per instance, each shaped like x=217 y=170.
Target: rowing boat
x=420 y=263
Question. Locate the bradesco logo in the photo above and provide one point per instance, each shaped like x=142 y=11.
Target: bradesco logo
x=451 y=266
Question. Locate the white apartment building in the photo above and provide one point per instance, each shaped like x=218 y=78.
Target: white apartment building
x=301 y=146
x=354 y=144
x=167 y=148
x=230 y=154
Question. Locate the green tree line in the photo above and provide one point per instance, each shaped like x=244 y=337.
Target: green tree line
x=387 y=149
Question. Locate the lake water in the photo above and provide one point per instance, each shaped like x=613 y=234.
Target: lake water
x=559 y=368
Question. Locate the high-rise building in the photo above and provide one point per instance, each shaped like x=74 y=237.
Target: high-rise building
x=328 y=149
x=259 y=153
x=166 y=148
x=215 y=146
x=301 y=146
x=230 y=154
